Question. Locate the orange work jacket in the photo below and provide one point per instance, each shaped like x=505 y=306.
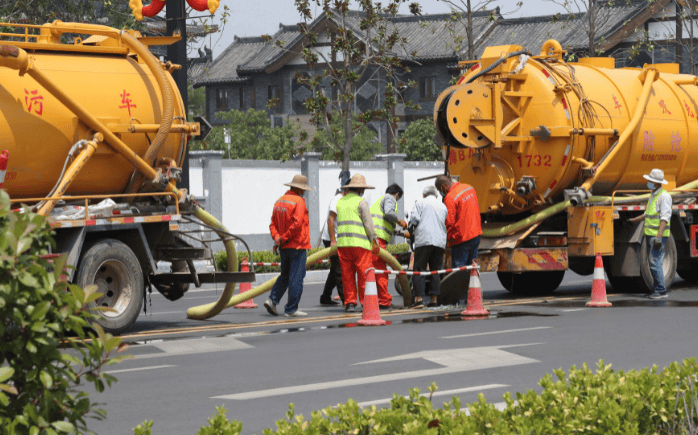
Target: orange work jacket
x=463 y=219
x=290 y=222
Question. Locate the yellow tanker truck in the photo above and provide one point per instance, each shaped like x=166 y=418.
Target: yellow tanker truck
x=96 y=132
x=556 y=152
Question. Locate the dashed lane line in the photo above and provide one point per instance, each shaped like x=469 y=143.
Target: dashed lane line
x=111 y=372
x=506 y=331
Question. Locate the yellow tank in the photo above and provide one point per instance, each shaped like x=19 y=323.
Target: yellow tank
x=106 y=78
x=532 y=127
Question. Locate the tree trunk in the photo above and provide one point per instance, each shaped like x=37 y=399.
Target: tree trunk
x=592 y=28
x=348 y=139
x=469 y=33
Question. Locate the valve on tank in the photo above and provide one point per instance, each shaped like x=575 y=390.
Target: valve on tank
x=526 y=185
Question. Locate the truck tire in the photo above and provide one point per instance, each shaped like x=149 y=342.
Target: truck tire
x=531 y=283
x=645 y=282
x=114 y=268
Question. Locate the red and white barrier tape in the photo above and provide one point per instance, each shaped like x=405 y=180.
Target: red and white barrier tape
x=279 y=264
x=431 y=272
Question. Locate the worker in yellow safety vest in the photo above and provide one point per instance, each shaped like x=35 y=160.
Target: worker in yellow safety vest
x=356 y=239
x=385 y=216
x=657 y=229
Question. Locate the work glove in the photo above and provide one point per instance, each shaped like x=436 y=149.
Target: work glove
x=277 y=244
x=657 y=243
x=375 y=247
x=406 y=234
x=402 y=223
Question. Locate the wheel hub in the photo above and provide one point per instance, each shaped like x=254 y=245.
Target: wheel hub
x=113 y=281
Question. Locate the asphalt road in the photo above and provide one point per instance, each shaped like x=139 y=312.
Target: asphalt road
x=255 y=364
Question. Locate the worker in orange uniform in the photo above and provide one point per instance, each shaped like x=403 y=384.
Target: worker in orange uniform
x=463 y=227
x=356 y=239
x=385 y=216
x=291 y=233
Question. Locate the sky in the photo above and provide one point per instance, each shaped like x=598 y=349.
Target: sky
x=259 y=17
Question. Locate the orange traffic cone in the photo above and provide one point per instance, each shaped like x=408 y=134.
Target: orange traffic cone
x=371 y=313
x=245 y=286
x=598 y=289
x=474 y=307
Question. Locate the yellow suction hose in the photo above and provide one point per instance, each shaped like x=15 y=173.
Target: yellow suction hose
x=225 y=301
x=561 y=206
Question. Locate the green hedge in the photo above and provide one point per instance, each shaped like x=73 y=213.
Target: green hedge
x=645 y=401
x=268 y=257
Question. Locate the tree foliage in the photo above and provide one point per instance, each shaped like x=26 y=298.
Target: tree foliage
x=365 y=141
x=252 y=137
x=418 y=142
x=364 y=47
x=112 y=13
x=47 y=347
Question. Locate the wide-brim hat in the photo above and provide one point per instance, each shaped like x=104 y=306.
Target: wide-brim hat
x=299 y=181
x=656 y=176
x=357 y=182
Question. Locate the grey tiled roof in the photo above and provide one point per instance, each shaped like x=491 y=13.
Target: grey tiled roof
x=224 y=67
x=532 y=32
x=270 y=52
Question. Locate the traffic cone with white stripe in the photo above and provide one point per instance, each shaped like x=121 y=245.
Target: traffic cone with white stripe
x=371 y=313
x=474 y=307
x=598 y=288
x=4 y=157
x=245 y=286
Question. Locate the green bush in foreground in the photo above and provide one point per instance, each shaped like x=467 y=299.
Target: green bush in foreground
x=645 y=401
x=221 y=258
x=46 y=350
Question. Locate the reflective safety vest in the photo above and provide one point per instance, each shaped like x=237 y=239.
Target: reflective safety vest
x=350 y=228
x=652 y=220
x=383 y=228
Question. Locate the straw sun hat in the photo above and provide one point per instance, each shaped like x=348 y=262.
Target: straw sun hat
x=357 y=182
x=299 y=181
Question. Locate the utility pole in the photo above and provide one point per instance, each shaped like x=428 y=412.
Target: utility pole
x=176 y=16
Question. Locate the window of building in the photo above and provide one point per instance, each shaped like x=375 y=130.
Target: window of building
x=427 y=88
x=241 y=93
x=274 y=93
x=222 y=99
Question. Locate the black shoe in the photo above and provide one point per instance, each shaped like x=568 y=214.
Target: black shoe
x=656 y=296
x=328 y=302
x=350 y=308
x=386 y=307
x=417 y=304
x=432 y=305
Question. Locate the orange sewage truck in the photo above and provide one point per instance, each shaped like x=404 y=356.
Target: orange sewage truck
x=96 y=133
x=556 y=151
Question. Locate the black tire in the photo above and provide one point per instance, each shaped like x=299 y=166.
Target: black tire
x=398 y=288
x=645 y=282
x=690 y=275
x=623 y=284
x=531 y=283
x=114 y=268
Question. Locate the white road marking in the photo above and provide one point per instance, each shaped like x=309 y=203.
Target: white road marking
x=573 y=309
x=453 y=360
x=138 y=369
x=437 y=394
x=150 y=313
x=500 y=406
x=506 y=331
x=195 y=346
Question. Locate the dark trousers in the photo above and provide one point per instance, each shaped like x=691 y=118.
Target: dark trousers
x=334 y=278
x=291 y=278
x=464 y=253
x=434 y=257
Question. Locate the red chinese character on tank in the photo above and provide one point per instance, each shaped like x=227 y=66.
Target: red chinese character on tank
x=664 y=108
x=648 y=144
x=126 y=102
x=675 y=142
x=617 y=104
x=688 y=109
x=34 y=101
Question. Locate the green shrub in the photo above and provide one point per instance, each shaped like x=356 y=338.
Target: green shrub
x=604 y=402
x=221 y=258
x=47 y=347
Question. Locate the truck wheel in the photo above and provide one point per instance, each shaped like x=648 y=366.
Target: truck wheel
x=531 y=283
x=690 y=275
x=113 y=267
x=622 y=284
x=645 y=282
